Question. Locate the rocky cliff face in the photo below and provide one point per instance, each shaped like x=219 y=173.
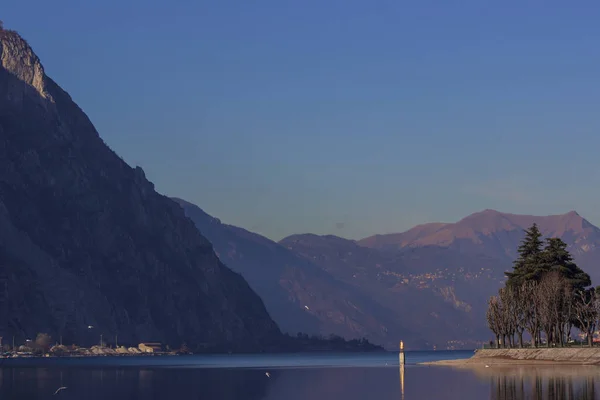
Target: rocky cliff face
x=86 y=241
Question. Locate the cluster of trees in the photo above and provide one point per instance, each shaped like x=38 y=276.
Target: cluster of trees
x=546 y=295
x=304 y=342
x=41 y=344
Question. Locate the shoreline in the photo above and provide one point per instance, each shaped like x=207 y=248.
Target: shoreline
x=494 y=361
x=537 y=356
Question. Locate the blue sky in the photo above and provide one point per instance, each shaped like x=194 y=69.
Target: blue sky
x=343 y=117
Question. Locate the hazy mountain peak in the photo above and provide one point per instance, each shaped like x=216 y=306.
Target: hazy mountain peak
x=311 y=237
x=484 y=225
x=489 y=221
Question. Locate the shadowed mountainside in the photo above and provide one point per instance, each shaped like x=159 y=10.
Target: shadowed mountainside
x=86 y=241
x=349 y=296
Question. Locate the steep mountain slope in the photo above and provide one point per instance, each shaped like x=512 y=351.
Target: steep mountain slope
x=86 y=241
x=304 y=293
x=262 y=263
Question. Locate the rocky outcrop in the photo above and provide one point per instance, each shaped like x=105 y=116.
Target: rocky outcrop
x=85 y=241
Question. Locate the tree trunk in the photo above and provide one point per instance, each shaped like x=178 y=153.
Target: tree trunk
x=590 y=339
x=521 y=340
x=497 y=341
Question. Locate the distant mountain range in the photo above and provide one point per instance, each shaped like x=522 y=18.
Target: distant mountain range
x=495 y=234
x=298 y=293
x=427 y=286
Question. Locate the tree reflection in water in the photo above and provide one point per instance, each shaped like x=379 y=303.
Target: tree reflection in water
x=532 y=383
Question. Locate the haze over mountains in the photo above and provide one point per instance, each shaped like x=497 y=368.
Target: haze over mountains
x=303 y=295
x=428 y=286
x=498 y=235
x=85 y=240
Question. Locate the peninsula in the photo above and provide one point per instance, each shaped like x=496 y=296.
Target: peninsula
x=546 y=297
x=532 y=356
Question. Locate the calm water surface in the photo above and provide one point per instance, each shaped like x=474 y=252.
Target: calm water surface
x=292 y=377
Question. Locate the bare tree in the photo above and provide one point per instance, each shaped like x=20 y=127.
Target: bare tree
x=510 y=312
x=519 y=311
x=568 y=313
x=554 y=295
x=530 y=303
x=586 y=312
x=43 y=341
x=494 y=317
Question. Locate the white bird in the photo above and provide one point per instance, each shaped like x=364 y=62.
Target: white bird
x=487 y=366
x=59 y=389
x=90 y=326
x=268 y=374
x=306 y=307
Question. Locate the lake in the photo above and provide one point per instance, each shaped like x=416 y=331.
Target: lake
x=292 y=377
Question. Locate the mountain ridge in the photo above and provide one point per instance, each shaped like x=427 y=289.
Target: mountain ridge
x=85 y=240
x=483 y=223
x=293 y=283
x=464 y=261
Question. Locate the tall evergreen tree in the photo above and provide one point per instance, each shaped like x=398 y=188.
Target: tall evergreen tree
x=546 y=293
x=556 y=257
x=527 y=266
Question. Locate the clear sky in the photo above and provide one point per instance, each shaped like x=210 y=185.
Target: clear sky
x=338 y=116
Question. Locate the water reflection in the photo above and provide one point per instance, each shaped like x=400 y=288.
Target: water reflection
x=315 y=383
x=543 y=383
x=402 y=381
x=134 y=383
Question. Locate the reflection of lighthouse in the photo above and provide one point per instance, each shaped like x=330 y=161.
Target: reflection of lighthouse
x=402 y=381
x=402 y=361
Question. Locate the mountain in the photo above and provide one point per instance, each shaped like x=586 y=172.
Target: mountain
x=462 y=263
x=393 y=281
x=85 y=240
x=342 y=291
x=497 y=235
x=299 y=295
